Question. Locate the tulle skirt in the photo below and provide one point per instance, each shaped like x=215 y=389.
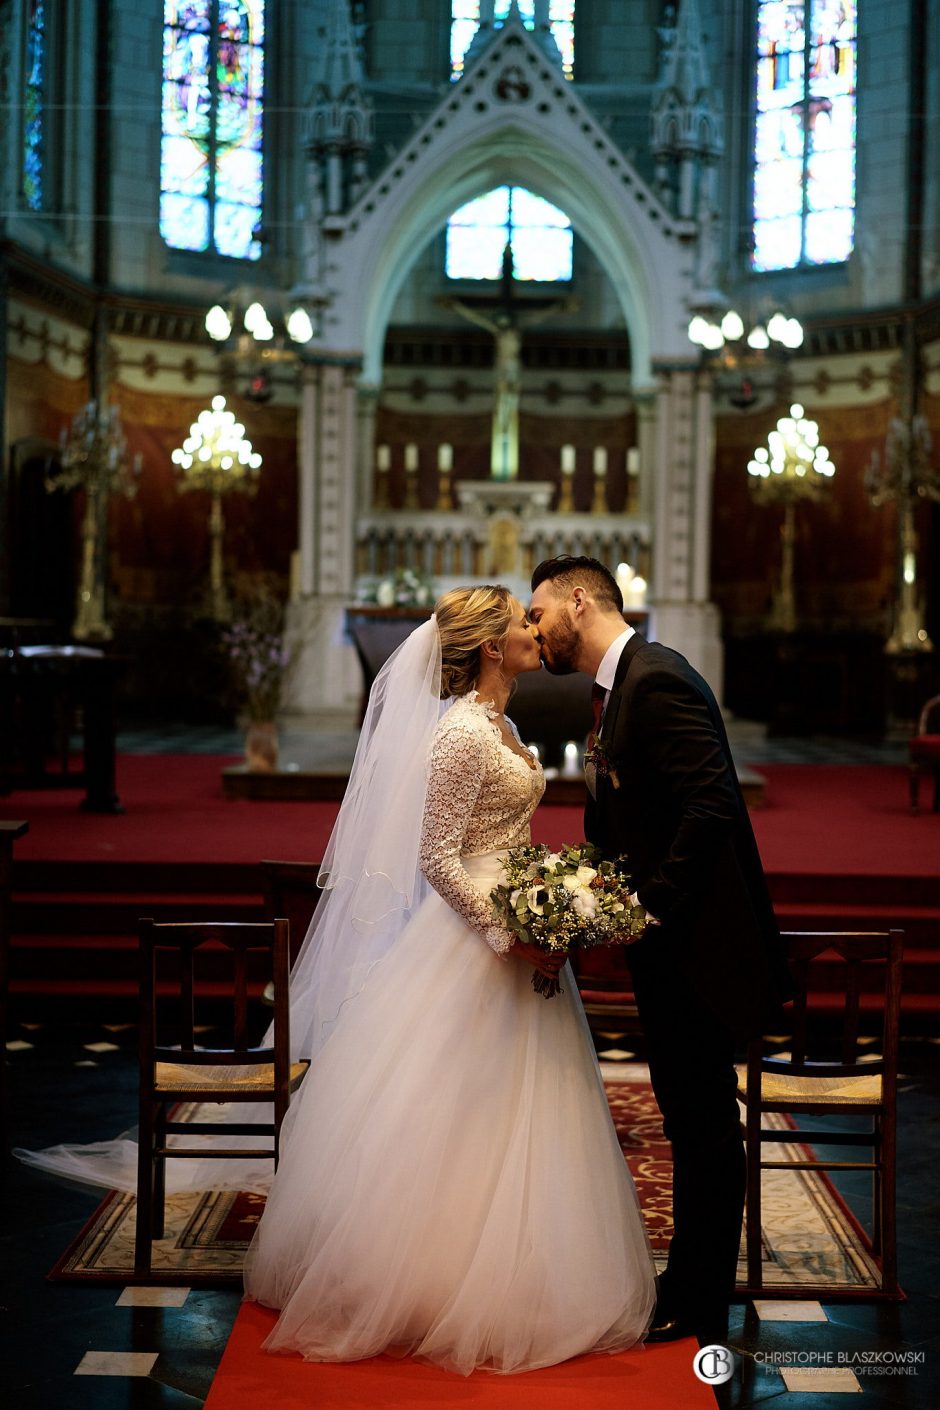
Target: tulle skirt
x=450 y=1183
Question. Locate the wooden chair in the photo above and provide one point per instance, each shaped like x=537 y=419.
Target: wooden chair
x=924 y=749
x=606 y=988
x=291 y=890
x=848 y=1085
x=182 y=1072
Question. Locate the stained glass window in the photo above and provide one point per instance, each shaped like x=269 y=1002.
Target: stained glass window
x=804 y=149
x=465 y=21
x=538 y=233
x=211 y=170
x=34 y=114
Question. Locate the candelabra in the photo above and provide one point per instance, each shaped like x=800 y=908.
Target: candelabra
x=905 y=476
x=94 y=459
x=739 y=350
x=216 y=457
x=254 y=333
x=730 y=336
x=793 y=466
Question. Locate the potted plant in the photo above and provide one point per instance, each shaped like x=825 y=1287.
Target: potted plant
x=257 y=660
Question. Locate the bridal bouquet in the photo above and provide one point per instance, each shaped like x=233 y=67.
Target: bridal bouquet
x=557 y=900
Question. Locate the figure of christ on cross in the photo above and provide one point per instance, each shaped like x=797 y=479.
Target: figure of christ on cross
x=505 y=320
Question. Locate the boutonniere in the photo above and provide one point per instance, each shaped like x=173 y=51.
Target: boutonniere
x=599 y=757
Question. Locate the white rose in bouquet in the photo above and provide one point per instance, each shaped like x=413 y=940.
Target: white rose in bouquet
x=580 y=879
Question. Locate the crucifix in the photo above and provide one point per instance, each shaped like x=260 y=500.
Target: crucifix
x=505 y=319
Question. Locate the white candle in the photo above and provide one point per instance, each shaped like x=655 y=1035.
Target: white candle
x=572 y=759
x=600 y=461
x=633 y=461
x=445 y=457
x=411 y=458
x=567 y=460
x=383 y=459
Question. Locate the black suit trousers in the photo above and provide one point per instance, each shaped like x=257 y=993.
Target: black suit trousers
x=691 y=1057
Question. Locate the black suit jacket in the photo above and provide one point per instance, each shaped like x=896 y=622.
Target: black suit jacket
x=680 y=818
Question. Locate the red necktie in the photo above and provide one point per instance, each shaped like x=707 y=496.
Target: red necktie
x=598 y=695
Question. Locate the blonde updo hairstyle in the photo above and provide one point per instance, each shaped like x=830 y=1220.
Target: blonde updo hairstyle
x=466 y=618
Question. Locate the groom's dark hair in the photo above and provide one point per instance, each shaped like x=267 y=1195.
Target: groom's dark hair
x=568 y=571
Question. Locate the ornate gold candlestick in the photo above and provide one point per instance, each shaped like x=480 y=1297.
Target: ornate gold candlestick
x=445 y=466
x=906 y=476
x=566 y=488
x=599 y=501
x=793 y=466
x=94 y=460
x=217 y=457
x=411 y=477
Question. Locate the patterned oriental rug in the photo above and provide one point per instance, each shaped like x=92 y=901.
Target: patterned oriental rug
x=809 y=1234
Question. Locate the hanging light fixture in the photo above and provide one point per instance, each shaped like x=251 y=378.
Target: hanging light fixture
x=743 y=350
x=269 y=324
x=730 y=334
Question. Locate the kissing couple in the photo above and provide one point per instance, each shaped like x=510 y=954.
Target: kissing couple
x=450 y=1183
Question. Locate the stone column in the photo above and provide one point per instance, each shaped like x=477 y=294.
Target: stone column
x=367 y=404
x=683 y=617
x=324 y=679
x=644 y=400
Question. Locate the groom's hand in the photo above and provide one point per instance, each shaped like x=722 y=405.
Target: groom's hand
x=545 y=963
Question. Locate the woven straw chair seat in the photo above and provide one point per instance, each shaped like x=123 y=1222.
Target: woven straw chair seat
x=180 y=1077
x=864 y=1090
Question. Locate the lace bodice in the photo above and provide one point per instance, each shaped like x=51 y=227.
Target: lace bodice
x=481 y=796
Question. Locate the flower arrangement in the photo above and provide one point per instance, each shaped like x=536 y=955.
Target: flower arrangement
x=406 y=587
x=558 y=900
x=257 y=655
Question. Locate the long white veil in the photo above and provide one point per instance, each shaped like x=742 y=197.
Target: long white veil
x=372 y=884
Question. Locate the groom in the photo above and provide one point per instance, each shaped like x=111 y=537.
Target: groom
x=711 y=971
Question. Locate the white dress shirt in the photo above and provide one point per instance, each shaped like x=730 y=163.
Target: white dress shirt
x=606 y=675
x=607 y=670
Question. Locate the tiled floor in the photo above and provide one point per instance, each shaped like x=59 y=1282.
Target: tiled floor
x=77 y=1347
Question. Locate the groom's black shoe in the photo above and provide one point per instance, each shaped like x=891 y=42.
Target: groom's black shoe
x=668 y=1323
x=677 y=1326
x=670 y=1328
x=671 y=1323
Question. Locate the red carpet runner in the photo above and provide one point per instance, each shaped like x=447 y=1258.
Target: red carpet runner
x=660 y=1378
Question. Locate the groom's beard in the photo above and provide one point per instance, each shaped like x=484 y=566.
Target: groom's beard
x=560 y=646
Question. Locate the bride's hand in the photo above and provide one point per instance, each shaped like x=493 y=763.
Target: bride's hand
x=546 y=963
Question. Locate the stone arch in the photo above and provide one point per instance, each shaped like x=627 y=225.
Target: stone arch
x=574 y=167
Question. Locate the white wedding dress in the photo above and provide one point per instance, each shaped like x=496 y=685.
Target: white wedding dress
x=450 y=1183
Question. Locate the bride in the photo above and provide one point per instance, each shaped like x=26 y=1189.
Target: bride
x=450 y=1183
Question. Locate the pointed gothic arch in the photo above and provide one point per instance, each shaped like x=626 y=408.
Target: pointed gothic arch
x=512 y=120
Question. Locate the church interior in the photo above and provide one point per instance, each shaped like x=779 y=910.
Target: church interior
x=310 y=312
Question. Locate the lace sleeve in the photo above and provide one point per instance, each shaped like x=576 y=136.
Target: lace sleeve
x=457 y=767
